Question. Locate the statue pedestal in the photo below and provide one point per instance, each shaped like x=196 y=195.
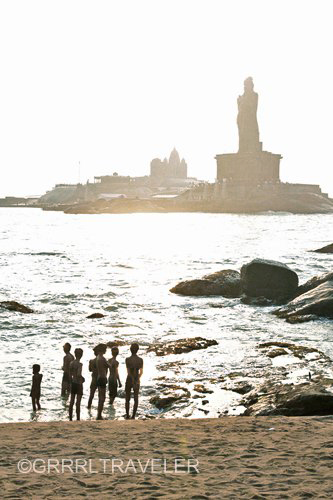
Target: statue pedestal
x=249 y=168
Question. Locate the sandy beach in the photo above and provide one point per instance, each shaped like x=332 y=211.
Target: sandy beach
x=231 y=458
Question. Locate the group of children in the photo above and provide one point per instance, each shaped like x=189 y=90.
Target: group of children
x=72 y=380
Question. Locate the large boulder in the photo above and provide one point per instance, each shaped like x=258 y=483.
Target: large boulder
x=326 y=249
x=199 y=287
x=268 y=278
x=180 y=346
x=302 y=400
x=225 y=283
x=229 y=280
x=314 y=282
x=11 y=305
x=318 y=301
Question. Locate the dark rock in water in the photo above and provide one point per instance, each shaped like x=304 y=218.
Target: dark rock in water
x=268 y=278
x=274 y=353
x=170 y=395
x=229 y=280
x=290 y=400
x=235 y=375
x=327 y=249
x=318 y=301
x=197 y=288
x=163 y=402
x=180 y=346
x=116 y=343
x=301 y=319
x=205 y=411
x=242 y=387
x=15 y=306
x=300 y=351
x=176 y=366
x=225 y=283
x=201 y=389
x=314 y=282
x=96 y=316
x=256 y=301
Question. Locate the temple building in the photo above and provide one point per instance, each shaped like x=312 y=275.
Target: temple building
x=250 y=165
x=249 y=181
x=174 y=168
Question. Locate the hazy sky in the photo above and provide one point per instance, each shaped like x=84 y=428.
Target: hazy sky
x=113 y=84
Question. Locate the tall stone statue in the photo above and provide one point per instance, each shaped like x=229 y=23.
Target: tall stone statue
x=248 y=129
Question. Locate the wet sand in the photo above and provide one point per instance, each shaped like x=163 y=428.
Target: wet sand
x=239 y=457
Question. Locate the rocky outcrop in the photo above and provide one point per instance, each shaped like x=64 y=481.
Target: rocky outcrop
x=287 y=399
x=300 y=351
x=269 y=279
x=229 y=280
x=202 y=389
x=199 y=287
x=318 y=301
x=314 y=282
x=327 y=249
x=96 y=316
x=294 y=319
x=242 y=387
x=256 y=301
x=225 y=283
x=170 y=395
x=181 y=346
x=15 y=306
x=116 y=343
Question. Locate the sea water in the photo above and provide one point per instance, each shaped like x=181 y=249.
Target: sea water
x=66 y=267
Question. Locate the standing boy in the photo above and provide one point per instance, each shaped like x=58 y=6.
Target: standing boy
x=66 y=380
x=75 y=369
x=35 y=387
x=93 y=370
x=114 y=379
x=102 y=372
x=134 y=365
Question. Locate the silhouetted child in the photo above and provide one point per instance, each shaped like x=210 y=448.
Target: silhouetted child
x=102 y=373
x=35 y=387
x=114 y=379
x=75 y=370
x=93 y=370
x=134 y=365
x=66 y=380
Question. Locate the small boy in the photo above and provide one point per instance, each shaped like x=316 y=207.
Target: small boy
x=102 y=372
x=114 y=380
x=75 y=370
x=66 y=380
x=134 y=365
x=93 y=370
x=35 y=387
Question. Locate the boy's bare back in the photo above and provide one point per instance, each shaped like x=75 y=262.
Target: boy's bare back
x=68 y=358
x=134 y=363
x=102 y=366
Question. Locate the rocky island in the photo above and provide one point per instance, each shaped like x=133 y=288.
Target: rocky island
x=246 y=182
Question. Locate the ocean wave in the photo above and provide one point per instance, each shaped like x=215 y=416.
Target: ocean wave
x=270 y=212
x=42 y=254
